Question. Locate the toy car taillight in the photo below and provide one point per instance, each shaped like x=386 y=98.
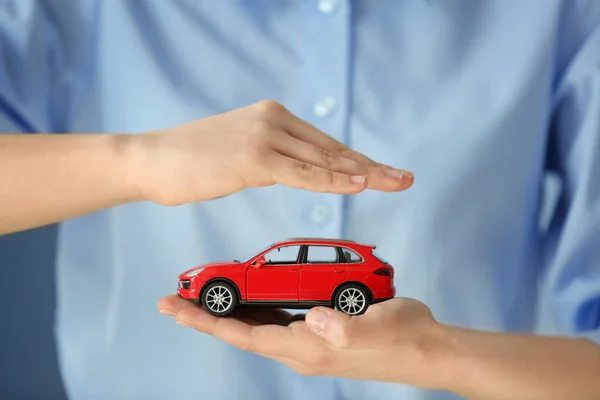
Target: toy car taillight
x=384 y=272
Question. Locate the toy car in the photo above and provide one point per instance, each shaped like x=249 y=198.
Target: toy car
x=296 y=273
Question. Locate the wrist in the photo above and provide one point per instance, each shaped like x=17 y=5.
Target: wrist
x=459 y=368
x=128 y=153
x=429 y=361
x=442 y=365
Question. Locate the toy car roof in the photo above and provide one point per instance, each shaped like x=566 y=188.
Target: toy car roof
x=324 y=240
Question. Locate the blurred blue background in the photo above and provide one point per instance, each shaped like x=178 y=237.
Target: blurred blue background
x=28 y=363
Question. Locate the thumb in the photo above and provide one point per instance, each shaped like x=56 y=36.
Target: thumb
x=333 y=326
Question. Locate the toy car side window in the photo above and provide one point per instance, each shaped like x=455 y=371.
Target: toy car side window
x=351 y=256
x=283 y=255
x=318 y=254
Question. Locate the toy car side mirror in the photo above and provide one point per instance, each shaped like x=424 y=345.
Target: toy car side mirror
x=260 y=262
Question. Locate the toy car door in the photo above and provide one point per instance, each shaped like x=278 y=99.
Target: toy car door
x=277 y=279
x=323 y=269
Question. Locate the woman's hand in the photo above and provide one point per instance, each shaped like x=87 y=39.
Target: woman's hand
x=259 y=145
x=394 y=341
x=399 y=341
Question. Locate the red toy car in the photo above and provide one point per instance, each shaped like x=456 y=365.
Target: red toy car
x=296 y=273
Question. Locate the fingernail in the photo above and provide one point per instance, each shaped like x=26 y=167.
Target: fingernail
x=183 y=323
x=396 y=173
x=357 y=179
x=316 y=320
x=167 y=313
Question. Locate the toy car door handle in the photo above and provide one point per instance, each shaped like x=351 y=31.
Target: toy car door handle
x=338 y=271
x=293 y=270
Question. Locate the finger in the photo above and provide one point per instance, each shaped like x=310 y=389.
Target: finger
x=172 y=304
x=344 y=331
x=380 y=177
x=302 y=130
x=270 y=340
x=341 y=330
x=387 y=179
x=301 y=175
x=329 y=324
x=309 y=153
x=383 y=179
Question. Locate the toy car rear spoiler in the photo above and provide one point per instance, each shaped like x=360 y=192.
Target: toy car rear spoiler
x=373 y=247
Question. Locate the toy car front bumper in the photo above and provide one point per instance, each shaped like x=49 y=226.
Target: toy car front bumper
x=187 y=291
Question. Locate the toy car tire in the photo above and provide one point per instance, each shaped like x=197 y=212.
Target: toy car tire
x=219 y=298
x=352 y=299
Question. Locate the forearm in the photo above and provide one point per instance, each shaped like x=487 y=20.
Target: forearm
x=47 y=178
x=494 y=366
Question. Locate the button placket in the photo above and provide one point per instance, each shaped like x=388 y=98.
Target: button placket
x=327 y=74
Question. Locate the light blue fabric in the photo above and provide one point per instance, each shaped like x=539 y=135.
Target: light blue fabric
x=479 y=99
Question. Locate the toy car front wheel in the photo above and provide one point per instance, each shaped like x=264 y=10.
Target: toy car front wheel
x=219 y=298
x=352 y=300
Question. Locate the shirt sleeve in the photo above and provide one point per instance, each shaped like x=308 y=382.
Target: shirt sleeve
x=572 y=241
x=45 y=62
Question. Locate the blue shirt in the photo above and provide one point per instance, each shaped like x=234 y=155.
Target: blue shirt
x=481 y=100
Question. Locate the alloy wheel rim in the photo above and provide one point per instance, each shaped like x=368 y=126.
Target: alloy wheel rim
x=219 y=299
x=352 y=301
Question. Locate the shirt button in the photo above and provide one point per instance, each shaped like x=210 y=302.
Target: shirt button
x=324 y=107
x=320 y=214
x=327 y=6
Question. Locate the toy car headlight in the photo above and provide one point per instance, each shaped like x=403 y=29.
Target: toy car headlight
x=194 y=272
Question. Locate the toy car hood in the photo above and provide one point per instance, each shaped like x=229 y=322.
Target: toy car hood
x=210 y=265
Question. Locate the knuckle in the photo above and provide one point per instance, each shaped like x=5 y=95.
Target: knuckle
x=260 y=128
x=247 y=345
x=330 y=158
x=321 y=180
x=341 y=148
x=258 y=138
x=306 y=171
x=336 y=179
x=269 y=108
x=355 y=155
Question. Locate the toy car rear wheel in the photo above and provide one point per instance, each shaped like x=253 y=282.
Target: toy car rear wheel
x=219 y=298
x=352 y=299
